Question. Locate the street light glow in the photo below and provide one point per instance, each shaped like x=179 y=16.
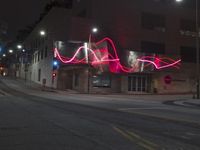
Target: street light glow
x=179 y=0
x=10 y=51
x=19 y=46
x=23 y=50
x=42 y=33
x=94 y=30
x=4 y=55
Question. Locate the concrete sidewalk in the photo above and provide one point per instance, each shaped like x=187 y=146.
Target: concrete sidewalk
x=188 y=102
x=37 y=89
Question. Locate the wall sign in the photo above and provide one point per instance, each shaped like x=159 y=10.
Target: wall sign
x=168 y=79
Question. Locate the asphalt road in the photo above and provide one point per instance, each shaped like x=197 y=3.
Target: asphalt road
x=31 y=122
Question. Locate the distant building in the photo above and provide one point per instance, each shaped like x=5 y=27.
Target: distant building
x=3 y=28
x=3 y=35
x=155 y=48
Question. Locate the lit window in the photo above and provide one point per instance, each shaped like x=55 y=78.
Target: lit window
x=101 y=81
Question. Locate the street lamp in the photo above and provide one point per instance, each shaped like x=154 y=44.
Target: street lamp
x=42 y=33
x=94 y=30
x=197 y=47
x=19 y=46
x=10 y=51
x=4 y=55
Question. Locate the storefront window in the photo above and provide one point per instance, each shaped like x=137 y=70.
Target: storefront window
x=139 y=83
x=101 y=81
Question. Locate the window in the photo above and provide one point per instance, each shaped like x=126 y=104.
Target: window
x=153 y=22
x=188 y=54
x=82 y=13
x=101 y=81
x=46 y=51
x=31 y=59
x=162 y=1
x=38 y=56
x=152 y=47
x=39 y=75
x=187 y=27
x=139 y=83
x=189 y=4
x=42 y=54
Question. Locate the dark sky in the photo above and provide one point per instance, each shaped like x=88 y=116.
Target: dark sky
x=19 y=13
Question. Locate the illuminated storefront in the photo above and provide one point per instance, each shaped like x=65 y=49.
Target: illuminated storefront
x=105 y=69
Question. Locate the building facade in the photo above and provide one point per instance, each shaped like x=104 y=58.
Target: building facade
x=142 y=46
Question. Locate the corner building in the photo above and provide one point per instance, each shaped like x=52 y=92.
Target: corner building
x=142 y=46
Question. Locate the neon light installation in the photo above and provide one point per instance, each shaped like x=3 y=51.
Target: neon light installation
x=103 y=56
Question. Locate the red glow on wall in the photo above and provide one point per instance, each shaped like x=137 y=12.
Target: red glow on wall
x=160 y=63
x=168 y=79
x=103 y=56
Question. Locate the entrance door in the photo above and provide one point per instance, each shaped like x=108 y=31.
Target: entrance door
x=139 y=83
x=69 y=83
x=65 y=80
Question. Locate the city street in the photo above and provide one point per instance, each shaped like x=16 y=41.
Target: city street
x=82 y=122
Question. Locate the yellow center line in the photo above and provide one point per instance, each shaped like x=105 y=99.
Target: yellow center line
x=142 y=139
x=137 y=139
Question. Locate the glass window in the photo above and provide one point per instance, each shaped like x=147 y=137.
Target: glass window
x=39 y=74
x=35 y=57
x=129 y=84
x=42 y=54
x=101 y=81
x=188 y=28
x=46 y=51
x=152 y=47
x=82 y=13
x=38 y=56
x=188 y=54
x=139 y=83
x=153 y=22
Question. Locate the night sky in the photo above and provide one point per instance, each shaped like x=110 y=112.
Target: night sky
x=19 y=13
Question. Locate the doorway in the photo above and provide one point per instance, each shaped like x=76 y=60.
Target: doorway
x=139 y=83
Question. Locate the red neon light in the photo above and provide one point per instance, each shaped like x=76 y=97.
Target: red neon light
x=113 y=62
x=160 y=63
x=160 y=67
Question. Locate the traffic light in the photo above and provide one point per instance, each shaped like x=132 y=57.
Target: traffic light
x=53 y=74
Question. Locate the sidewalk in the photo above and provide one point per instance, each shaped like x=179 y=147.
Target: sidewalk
x=188 y=102
x=37 y=89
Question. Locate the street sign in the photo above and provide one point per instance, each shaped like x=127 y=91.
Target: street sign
x=168 y=79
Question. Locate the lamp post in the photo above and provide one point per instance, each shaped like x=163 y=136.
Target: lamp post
x=197 y=47
x=94 y=30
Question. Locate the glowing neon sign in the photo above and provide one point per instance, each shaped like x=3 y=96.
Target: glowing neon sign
x=103 y=56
